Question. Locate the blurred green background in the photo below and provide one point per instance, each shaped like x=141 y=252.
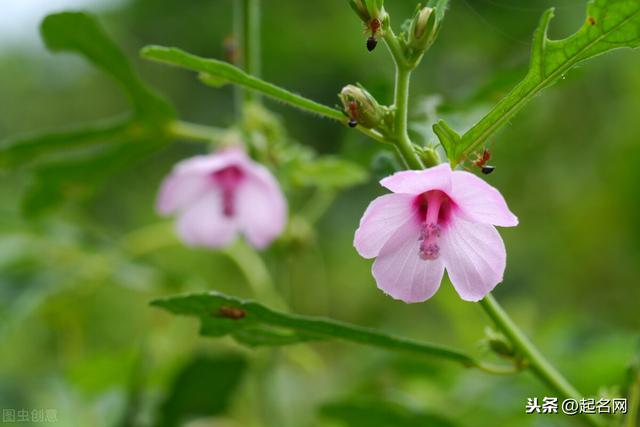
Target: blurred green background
x=76 y=330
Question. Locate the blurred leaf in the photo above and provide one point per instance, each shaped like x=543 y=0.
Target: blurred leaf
x=251 y=322
x=204 y=387
x=79 y=32
x=328 y=172
x=78 y=178
x=24 y=150
x=381 y=414
x=81 y=158
x=440 y=6
x=610 y=24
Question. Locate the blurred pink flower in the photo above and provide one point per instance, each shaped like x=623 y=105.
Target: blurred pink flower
x=435 y=219
x=218 y=195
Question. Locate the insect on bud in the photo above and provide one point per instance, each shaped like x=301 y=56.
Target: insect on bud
x=361 y=107
x=423 y=29
x=367 y=10
x=371 y=43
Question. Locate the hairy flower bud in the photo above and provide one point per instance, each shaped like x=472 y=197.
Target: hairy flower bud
x=361 y=107
x=423 y=29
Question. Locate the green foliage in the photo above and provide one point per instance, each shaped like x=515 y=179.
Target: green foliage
x=204 y=387
x=72 y=163
x=80 y=33
x=214 y=73
x=380 y=414
x=441 y=8
x=329 y=173
x=252 y=323
x=610 y=24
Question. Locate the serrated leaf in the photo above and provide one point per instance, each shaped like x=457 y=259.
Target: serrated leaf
x=80 y=33
x=328 y=172
x=609 y=25
x=253 y=323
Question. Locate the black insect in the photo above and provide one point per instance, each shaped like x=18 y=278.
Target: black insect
x=371 y=43
x=487 y=169
x=481 y=161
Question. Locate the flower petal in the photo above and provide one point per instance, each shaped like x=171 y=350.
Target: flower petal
x=401 y=273
x=261 y=206
x=382 y=218
x=416 y=182
x=480 y=202
x=475 y=257
x=190 y=178
x=203 y=224
x=179 y=190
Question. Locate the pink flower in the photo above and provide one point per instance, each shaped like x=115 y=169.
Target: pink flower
x=435 y=219
x=218 y=195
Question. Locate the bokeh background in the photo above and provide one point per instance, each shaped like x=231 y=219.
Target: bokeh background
x=77 y=333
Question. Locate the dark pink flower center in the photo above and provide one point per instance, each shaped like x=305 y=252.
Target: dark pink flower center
x=434 y=212
x=228 y=180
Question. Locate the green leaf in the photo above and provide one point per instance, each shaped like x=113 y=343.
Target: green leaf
x=203 y=388
x=251 y=322
x=216 y=72
x=328 y=172
x=610 y=24
x=380 y=414
x=441 y=8
x=80 y=33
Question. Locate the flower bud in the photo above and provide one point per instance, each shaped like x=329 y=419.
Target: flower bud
x=367 y=10
x=499 y=344
x=422 y=31
x=361 y=107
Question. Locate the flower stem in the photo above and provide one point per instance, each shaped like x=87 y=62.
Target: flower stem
x=539 y=365
x=401 y=103
x=251 y=43
x=194 y=132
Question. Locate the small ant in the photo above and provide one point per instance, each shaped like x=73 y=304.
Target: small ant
x=374 y=27
x=352 y=112
x=232 y=312
x=481 y=161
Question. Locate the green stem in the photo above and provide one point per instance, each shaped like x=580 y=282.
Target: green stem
x=194 y=132
x=251 y=43
x=401 y=103
x=539 y=365
x=634 y=404
x=255 y=271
